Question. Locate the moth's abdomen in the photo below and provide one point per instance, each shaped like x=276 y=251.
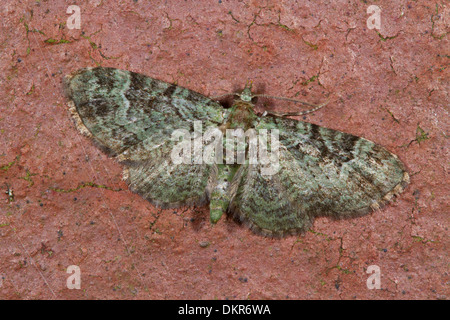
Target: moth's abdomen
x=220 y=196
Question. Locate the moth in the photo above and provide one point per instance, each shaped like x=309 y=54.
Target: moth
x=321 y=172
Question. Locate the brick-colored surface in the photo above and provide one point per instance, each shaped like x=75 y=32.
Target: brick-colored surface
x=69 y=205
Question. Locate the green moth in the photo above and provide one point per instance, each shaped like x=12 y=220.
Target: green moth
x=321 y=172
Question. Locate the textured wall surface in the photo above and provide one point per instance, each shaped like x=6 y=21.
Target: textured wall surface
x=63 y=201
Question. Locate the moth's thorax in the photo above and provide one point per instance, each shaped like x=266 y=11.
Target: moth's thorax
x=241 y=115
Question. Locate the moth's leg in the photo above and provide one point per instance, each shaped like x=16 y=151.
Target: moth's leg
x=220 y=197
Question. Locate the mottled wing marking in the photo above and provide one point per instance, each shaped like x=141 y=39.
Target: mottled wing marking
x=263 y=204
x=170 y=186
x=132 y=117
x=323 y=172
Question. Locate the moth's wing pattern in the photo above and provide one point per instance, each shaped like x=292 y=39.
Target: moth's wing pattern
x=322 y=172
x=168 y=185
x=131 y=117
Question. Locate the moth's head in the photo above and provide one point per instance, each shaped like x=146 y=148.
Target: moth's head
x=246 y=94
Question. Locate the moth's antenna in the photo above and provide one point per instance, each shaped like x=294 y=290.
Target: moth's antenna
x=247 y=95
x=282 y=114
x=286 y=99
